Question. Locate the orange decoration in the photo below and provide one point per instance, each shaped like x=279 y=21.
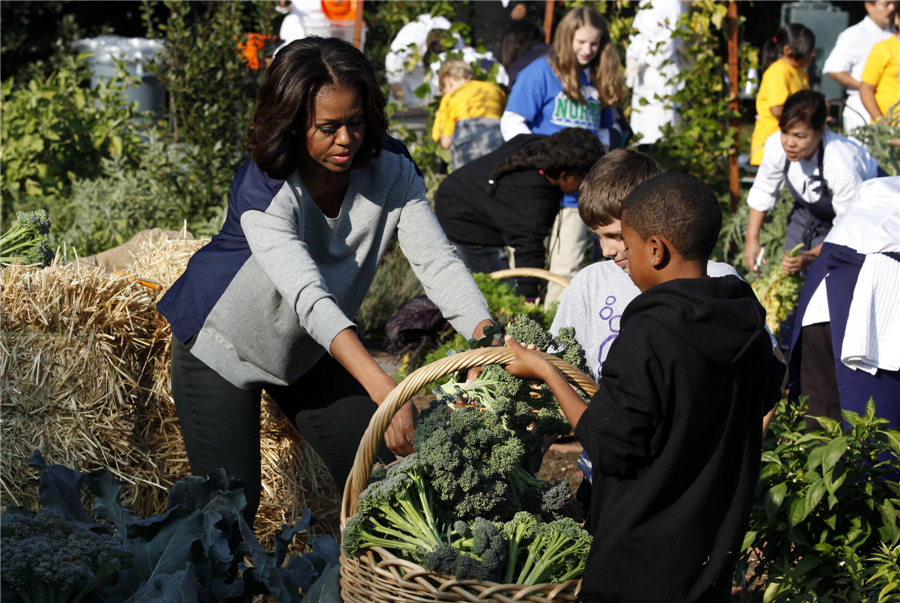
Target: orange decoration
x=250 y=49
x=339 y=10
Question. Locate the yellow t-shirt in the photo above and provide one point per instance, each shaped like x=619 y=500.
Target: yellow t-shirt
x=472 y=99
x=778 y=82
x=883 y=71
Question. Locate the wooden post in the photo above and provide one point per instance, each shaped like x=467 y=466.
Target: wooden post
x=358 y=25
x=548 y=22
x=733 y=105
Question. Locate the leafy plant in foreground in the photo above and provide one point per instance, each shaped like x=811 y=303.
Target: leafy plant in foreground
x=193 y=551
x=50 y=559
x=826 y=505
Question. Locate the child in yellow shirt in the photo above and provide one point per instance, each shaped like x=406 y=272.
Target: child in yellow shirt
x=464 y=98
x=785 y=59
x=879 y=87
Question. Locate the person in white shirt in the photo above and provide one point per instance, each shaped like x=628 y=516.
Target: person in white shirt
x=848 y=347
x=823 y=171
x=846 y=61
x=404 y=65
x=651 y=64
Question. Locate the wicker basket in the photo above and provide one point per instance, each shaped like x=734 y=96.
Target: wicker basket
x=379 y=576
x=534 y=273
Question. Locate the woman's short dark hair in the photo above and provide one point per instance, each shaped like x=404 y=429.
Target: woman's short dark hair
x=806 y=106
x=285 y=103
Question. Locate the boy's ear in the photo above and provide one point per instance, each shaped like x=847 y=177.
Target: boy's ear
x=658 y=249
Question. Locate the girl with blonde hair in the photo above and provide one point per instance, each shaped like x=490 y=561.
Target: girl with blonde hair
x=575 y=86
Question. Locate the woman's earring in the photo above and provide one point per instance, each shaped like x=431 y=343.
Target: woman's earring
x=652 y=262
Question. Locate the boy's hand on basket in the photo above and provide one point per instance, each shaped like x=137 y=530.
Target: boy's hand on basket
x=527 y=364
x=398 y=437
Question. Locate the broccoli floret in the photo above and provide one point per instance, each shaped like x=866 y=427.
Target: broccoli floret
x=557 y=553
x=461 y=529
x=396 y=513
x=456 y=447
x=441 y=560
x=27 y=239
x=517 y=532
x=565 y=346
x=549 y=421
x=478 y=556
x=50 y=553
x=526 y=331
x=558 y=502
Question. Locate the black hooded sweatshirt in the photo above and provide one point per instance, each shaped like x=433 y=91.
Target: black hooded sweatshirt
x=674 y=434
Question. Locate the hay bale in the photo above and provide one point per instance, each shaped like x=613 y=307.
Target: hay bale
x=85 y=377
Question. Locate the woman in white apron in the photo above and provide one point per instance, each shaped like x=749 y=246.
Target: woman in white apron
x=823 y=171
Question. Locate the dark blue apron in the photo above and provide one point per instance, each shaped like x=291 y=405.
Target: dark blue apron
x=842 y=265
x=809 y=223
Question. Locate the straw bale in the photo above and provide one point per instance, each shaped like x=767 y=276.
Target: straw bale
x=85 y=363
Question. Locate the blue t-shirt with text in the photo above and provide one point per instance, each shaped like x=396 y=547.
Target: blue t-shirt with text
x=538 y=97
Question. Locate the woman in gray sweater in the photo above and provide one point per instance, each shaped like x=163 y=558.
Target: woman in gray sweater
x=269 y=302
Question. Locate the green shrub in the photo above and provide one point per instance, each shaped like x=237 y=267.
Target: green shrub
x=825 y=511
x=875 y=138
x=212 y=92
x=55 y=130
x=108 y=211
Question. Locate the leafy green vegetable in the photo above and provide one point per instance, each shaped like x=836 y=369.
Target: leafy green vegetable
x=50 y=558
x=778 y=292
x=27 y=240
x=191 y=552
x=824 y=516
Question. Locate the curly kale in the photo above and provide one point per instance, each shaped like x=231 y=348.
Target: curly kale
x=526 y=331
x=548 y=421
x=49 y=552
x=27 y=239
x=465 y=453
x=558 y=502
x=565 y=346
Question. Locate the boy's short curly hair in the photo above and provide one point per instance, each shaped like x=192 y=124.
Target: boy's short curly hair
x=678 y=207
x=609 y=182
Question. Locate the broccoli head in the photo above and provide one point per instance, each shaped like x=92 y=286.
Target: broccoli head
x=50 y=552
x=558 y=502
x=27 y=239
x=549 y=421
x=557 y=552
x=526 y=331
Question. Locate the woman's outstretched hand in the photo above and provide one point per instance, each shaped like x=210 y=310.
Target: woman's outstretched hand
x=398 y=437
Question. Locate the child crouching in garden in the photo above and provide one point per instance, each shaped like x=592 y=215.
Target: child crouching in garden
x=675 y=429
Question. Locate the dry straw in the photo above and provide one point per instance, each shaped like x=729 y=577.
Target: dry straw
x=84 y=376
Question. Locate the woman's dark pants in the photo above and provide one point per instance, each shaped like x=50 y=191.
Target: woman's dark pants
x=220 y=422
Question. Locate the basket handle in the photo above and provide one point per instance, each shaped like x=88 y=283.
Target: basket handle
x=532 y=272
x=381 y=420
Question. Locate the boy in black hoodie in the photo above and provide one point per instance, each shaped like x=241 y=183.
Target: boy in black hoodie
x=674 y=432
